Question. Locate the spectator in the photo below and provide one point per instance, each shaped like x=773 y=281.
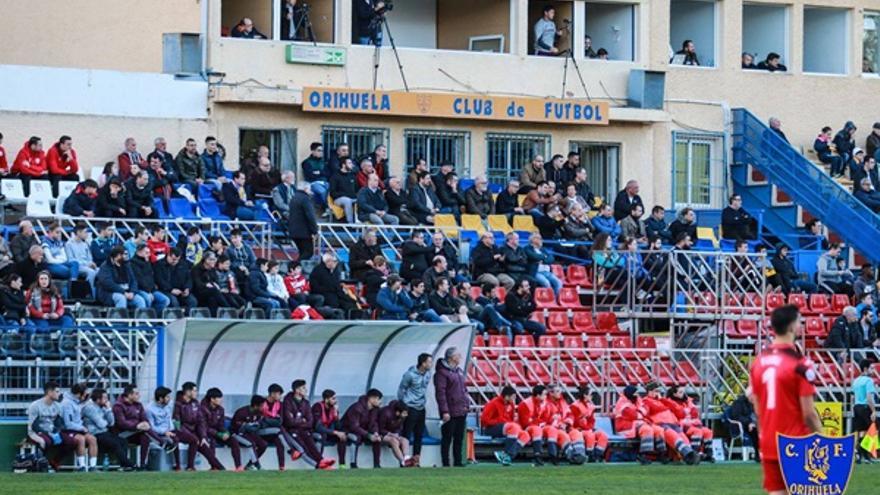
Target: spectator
x=452 y=404
x=116 y=284
x=492 y=307
x=166 y=159
x=823 y=150
x=736 y=222
x=451 y=199
x=4 y=162
x=379 y=159
x=412 y=392
x=30 y=266
x=845 y=333
x=77 y=250
x=443 y=247
x=414 y=256
x=283 y=193
x=365 y=170
x=815 y=230
x=771 y=63
x=103 y=243
x=557 y=171
x=336 y=159
x=445 y=305
x=45 y=307
x=539 y=261
x=160 y=178
x=588 y=48
x=514 y=258
x=30 y=163
x=865 y=283
x=776 y=126
x=61 y=162
x=12 y=301
x=538 y=199
x=439 y=270
x=412 y=180
x=205 y=284
x=633 y=226
x=325 y=281
x=139 y=196
x=867 y=169
x=545 y=33
x=372 y=206
x=532 y=173
x=518 y=308
x=56 y=257
x=578 y=228
x=110 y=171
x=602 y=54
x=872 y=142
x=245 y=29
x=302 y=223
x=258 y=284
x=111 y=201
x=423 y=201
x=240 y=255
x=315 y=173
x=845 y=145
x=583 y=188
x=439 y=179
x=82 y=201
x=572 y=198
x=146 y=280
x=625 y=199
x=173 y=279
x=396 y=199
x=363 y=253
x=98 y=419
x=787 y=274
x=158 y=244
x=277 y=287
x=190 y=167
x=507 y=202
x=421 y=310
x=235 y=199
x=140 y=238
x=22 y=242
x=687 y=55
x=6 y=262
x=361 y=424
x=130 y=160
x=832 y=279
x=368 y=29
x=392 y=301
x=264 y=179
x=478 y=199
x=343 y=189
x=868 y=196
x=685 y=222
x=748 y=61
x=604 y=222
x=866 y=304
x=487 y=263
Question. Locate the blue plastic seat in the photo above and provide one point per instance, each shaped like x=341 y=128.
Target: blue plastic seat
x=210 y=208
x=182 y=208
x=160 y=208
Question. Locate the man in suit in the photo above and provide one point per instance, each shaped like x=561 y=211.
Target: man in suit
x=238 y=206
x=423 y=201
x=625 y=199
x=302 y=223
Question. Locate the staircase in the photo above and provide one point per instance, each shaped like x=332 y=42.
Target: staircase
x=773 y=176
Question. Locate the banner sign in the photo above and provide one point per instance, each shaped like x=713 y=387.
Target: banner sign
x=455 y=106
x=318 y=55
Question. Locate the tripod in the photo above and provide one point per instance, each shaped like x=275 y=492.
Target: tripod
x=380 y=21
x=569 y=55
x=305 y=22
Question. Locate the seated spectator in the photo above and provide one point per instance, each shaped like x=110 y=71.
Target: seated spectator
x=146 y=280
x=439 y=178
x=397 y=199
x=572 y=198
x=393 y=301
x=655 y=226
x=360 y=259
x=787 y=275
x=580 y=182
x=116 y=284
x=140 y=238
x=173 y=278
x=98 y=419
x=868 y=196
x=577 y=227
x=316 y=173
x=372 y=206
x=478 y=199
x=539 y=261
x=103 y=243
x=139 y=196
x=443 y=247
x=55 y=255
x=158 y=244
x=865 y=283
x=866 y=170
x=30 y=266
x=12 y=301
x=325 y=280
x=283 y=193
x=487 y=263
x=604 y=222
x=558 y=172
x=110 y=171
x=451 y=199
x=162 y=173
x=264 y=179
x=776 y=126
x=30 y=163
x=771 y=63
x=823 y=150
x=77 y=250
x=81 y=202
x=625 y=199
x=845 y=145
x=475 y=312
x=111 y=200
x=531 y=174
x=235 y=199
x=343 y=189
x=545 y=33
x=241 y=255
x=205 y=284
x=365 y=170
x=277 y=287
x=258 y=288
x=44 y=305
x=514 y=259
x=415 y=256
x=687 y=55
x=61 y=162
x=191 y=246
x=227 y=283
x=130 y=160
x=872 y=142
x=492 y=308
x=685 y=223
x=633 y=226
x=845 y=333
x=300 y=293
x=736 y=223
x=550 y=225
x=866 y=304
x=610 y=264
x=20 y=244
x=518 y=309
x=190 y=166
x=6 y=262
x=421 y=308
x=412 y=179
x=831 y=278
x=748 y=61
x=445 y=305
x=539 y=199
x=507 y=202
x=245 y=29
x=423 y=201
x=439 y=270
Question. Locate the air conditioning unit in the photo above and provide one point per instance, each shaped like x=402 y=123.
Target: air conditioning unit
x=181 y=53
x=646 y=89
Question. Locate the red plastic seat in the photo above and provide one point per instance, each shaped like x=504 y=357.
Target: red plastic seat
x=479 y=341
x=664 y=372
x=607 y=322
x=775 y=300
x=706 y=301
x=616 y=372
x=498 y=345
x=569 y=298
x=476 y=292
x=548 y=345
x=569 y=373
x=574 y=347
x=645 y=342
x=687 y=374
x=557 y=322
x=747 y=328
x=596 y=345
x=728 y=328
x=577 y=275
x=622 y=343
x=559 y=272
x=636 y=372
x=819 y=304
x=541 y=372
x=484 y=374
x=828 y=374
x=583 y=322
x=545 y=299
x=523 y=341
x=538 y=316
x=838 y=302
x=799 y=300
x=517 y=374
x=815 y=327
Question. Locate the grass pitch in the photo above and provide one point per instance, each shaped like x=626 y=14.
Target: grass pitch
x=721 y=479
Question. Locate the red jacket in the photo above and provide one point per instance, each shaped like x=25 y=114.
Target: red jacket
x=627 y=412
x=584 y=415
x=4 y=165
x=45 y=305
x=30 y=163
x=530 y=415
x=497 y=412
x=59 y=164
x=560 y=411
x=362 y=178
x=659 y=411
x=297 y=285
x=125 y=164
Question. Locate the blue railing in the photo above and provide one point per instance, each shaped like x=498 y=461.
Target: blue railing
x=809 y=186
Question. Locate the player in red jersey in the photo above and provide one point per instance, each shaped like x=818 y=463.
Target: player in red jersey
x=583 y=412
x=781 y=389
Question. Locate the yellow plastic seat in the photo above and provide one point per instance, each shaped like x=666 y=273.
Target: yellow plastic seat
x=707 y=234
x=338 y=211
x=498 y=223
x=447 y=221
x=519 y=199
x=472 y=222
x=524 y=223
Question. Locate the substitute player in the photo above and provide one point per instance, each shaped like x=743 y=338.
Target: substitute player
x=782 y=390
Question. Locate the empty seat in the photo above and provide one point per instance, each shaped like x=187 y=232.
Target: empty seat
x=728 y=328
x=199 y=313
x=499 y=223
x=814 y=327
x=686 y=373
x=838 y=302
x=41 y=189
x=13 y=190
x=173 y=313
x=446 y=222
x=517 y=374
x=775 y=300
x=484 y=374
x=819 y=304
x=38 y=206
x=227 y=313
x=524 y=223
x=540 y=371
x=622 y=343
x=646 y=342
x=182 y=208
x=208 y=207
x=596 y=345
x=43 y=346
x=498 y=345
x=479 y=341
x=545 y=298
x=583 y=322
x=607 y=322
x=557 y=322
x=14 y=344
x=577 y=275
x=569 y=298
x=799 y=300
x=747 y=328
x=476 y=291
x=118 y=314
x=89 y=313
x=256 y=314
x=472 y=222
x=523 y=341
x=574 y=347
x=279 y=314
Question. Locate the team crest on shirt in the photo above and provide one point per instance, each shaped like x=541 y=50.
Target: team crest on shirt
x=816 y=464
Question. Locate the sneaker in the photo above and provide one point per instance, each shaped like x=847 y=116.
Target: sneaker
x=691 y=458
x=499 y=456
x=326 y=463
x=538 y=462
x=295 y=454
x=643 y=459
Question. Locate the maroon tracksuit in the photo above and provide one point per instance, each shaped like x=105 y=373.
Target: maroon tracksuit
x=192 y=431
x=389 y=421
x=126 y=417
x=247 y=417
x=297 y=417
x=215 y=425
x=359 y=422
x=326 y=422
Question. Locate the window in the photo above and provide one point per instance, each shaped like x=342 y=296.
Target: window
x=694 y=20
x=361 y=140
x=258 y=11
x=278 y=20
x=765 y=30
x=698 y=170
x=610 y=26
x=437 y=147
x=564 y=10
x=602 y=162
x=871 y=43
x=826 y=42
x=281 y=144
x=508 y=153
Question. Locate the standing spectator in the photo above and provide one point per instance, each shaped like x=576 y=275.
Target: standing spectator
x=45 y=306
x=788 y=276
x=98 y=419
x=56 y=257
x=452 y=404
x=831 y=278
x=687 y=55
x=115 y=283
x=507 y=202
x=325 y=281
x=82 y=201
x=264 y=179
x=487 y=263
x=22 y=242
x=343 y=189
x=604 y=222
x=478 y=199
x=518 y=308
x=625 y=199
x=845 y=145
x=130 y=160
x=139 y=196
x=302 y=223
x=30 y=266
x=685 y=223
x=366 y=30
x=190 y=167
x=633 y=226
x=776 y=126
x=557 y=172
x=111 y=200
x=61 y=162
x=736 y=222
x=423 y=201
x=235 y=199
x=396 y=199
x=103 y=243
x=174 y=279
x=314 y=169
x=539 y=261
x=414 y=256
x=336 y=159
x=146 y=280
x=412 y=392
x=361 y=424
x=245 y=29
x=532 y=173
x=372 y=206
x=282 y=194
x=872 y=142
x=545 y=33
x=823 y=150
x=77 y=250
x=771 y=63
x=30 y=163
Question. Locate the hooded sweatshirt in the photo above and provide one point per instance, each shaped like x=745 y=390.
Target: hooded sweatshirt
x=413 y=387
x=30 y=163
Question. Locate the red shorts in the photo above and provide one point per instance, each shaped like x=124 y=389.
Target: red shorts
x=773 y=481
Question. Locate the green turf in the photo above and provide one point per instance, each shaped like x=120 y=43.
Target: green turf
x=727 y=479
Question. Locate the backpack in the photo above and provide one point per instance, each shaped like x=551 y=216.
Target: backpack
x=30 y=463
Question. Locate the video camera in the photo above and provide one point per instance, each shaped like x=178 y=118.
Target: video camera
x=388 y=7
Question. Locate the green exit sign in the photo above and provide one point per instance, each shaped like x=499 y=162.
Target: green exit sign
x=319 y=55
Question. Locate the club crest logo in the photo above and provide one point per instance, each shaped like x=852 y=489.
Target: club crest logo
x=816 y=464
x=424 y=103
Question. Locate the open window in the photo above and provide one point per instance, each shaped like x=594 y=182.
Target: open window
x=871 y=43
x=287 y=20
x=693 y=21
x=602 y=162
x=281 y=144
x=826 y=40
x=610 y=27
x=545 y=26
x=764 y=34
x=234 y=13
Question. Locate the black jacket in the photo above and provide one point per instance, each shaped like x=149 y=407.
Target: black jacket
x=258 y=285
x=373 y=281
x=201 y=277
x=414 y=260
x=368 y=202
x=658 y=228
x=450 y=198
x=363 y=14
x=477 y=203
x=302 y=223
x=325 y=283
x=517 y=307
x=505 y=202
x=483 y=261
x=735 y=224
x=343 y=186
x=843 y=141
x=28 y=270
x=360 y=254
x=137 y=198
x=231 y=199
x=313 y=169
x=144 y=274
x=418 y=203
x=108 y=206
x=170 y=277
x=870 y=199
x=623 y=205
x=396 y=201
x=785 y=271
x=858 y=173
x=13 y=304
x=677 y=227
x=560 y=177
x=443 y=305
x=515 y=261
x=823 y=151
x=79 y=202
x=844 y=335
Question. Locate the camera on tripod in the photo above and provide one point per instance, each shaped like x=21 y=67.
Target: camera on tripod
x=388 y=7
